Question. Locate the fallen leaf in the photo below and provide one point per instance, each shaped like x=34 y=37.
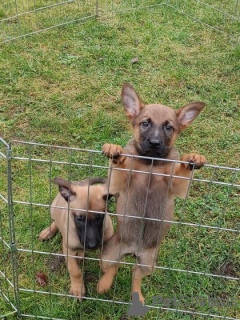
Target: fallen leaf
x=41 y=279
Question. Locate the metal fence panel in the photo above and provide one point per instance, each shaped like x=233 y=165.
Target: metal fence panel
x=201 y=249
x=20 y=18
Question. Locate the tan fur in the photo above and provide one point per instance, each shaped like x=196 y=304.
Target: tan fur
x=87 y=197
x=145 y=195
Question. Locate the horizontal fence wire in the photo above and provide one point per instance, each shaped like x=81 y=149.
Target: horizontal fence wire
x=20 y=19
x=126 y=303
x=32 y=144
x=130 y=216
x=32 y=180
x=228 y=16
x=136 y=171
x=131 y=264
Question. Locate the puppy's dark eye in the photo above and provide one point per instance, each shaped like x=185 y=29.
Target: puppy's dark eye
x=145 y=123
x=80 y=218
x=169 y=127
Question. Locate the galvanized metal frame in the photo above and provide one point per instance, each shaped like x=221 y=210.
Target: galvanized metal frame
x=13 y=247
x=101 y=8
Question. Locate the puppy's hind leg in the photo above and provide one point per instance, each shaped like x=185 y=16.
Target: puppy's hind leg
x=113 y=251
x=48 y=232
x=146 y=259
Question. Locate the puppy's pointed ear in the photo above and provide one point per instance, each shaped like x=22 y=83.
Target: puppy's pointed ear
x=65 y=188
x=187 y=114
x=131 y=101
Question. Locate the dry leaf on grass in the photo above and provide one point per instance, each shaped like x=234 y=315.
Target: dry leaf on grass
x=41 y=279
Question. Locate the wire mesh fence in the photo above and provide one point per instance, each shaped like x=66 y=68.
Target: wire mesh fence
x=20 y=18
x=197 y=272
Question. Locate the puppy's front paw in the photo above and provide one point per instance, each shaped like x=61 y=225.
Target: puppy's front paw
x=113 y=151
x=45 y=234
x=195 y=161
x=103 y=285
x=78 y=290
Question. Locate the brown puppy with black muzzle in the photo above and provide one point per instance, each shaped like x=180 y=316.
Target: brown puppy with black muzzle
x=80 y=228
x=149 y=194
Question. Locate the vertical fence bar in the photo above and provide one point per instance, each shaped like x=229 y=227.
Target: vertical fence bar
x=97 y=8
x=17 y=15
x=12 y=232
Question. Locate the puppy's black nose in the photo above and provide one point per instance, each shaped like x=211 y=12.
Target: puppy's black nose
x=154 y=142
x=92 y=244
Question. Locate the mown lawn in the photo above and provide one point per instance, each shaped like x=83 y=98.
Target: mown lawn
x=62 y=87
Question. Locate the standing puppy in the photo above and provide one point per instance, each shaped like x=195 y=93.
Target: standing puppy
x=146 y=188
x=80 y=228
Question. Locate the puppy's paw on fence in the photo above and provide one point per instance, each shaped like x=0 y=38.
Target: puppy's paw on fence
x=114 y=151
x=195 y=161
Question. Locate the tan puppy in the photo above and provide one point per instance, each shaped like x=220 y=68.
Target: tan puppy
x=80 y=229
x=147 y=188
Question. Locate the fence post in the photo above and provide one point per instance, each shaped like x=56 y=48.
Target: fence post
x=12 y=231
x=97 y=8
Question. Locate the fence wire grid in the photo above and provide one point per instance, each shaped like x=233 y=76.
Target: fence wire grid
x=198 y=264
x=198 y=261
x=20 y=18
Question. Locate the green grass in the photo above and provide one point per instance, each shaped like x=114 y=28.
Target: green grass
x=62 y=87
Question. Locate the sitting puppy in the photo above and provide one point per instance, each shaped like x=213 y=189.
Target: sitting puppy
x=80 y=229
